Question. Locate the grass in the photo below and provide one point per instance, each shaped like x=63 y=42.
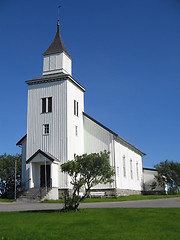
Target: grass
x=118 y=199
x=6 y=200
x=92 y=224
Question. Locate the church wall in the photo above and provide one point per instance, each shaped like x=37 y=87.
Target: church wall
x=23 y=164
x=53 y=142
x=97 y=139
x=128 y=176
x=75 y=143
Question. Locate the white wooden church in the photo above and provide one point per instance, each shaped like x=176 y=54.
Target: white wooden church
x=58 y=128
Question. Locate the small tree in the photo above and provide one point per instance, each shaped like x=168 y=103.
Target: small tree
x=7 y=173
x=168 y=175
x=86 y=171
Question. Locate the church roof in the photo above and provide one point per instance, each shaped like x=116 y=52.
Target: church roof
x=45 y=154
x=20 y=142
x=55 y=78
x=116 y=137
x=57 y=45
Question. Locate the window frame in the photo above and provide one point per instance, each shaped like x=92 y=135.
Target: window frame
x=46 y=105
x=43 y=105
x=76 y=108
x=131 y=169
x=46 y=129
x=124 y=165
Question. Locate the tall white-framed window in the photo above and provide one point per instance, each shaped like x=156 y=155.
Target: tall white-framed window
x=124 y=166
x=76 y=131
x=46 y=104
x=118 y=171
x=131 y=169
x=137 y=170
x=76 y=108
x=45 y=129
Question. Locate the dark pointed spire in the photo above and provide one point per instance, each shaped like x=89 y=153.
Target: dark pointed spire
x=57 y=46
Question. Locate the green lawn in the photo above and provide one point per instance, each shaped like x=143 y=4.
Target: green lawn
x=6 y=200
x=118 y=199
x=93 y=224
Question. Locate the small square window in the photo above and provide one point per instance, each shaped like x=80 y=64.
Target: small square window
x=45 y=129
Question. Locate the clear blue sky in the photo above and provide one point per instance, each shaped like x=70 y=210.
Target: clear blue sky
x=125 y=53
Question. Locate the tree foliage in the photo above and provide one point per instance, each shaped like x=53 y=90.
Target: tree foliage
x=86 y=171
x=169 y=175
x=7 y=172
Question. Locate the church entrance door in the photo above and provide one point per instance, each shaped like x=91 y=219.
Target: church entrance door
x=45 y=176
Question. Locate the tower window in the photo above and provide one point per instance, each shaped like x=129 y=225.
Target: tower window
x=76 y=108
x=45 y=129
x=43 y=105
x=46 y=105
x=49 y=104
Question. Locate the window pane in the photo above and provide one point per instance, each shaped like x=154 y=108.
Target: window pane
x=50 y=104
x=43 y=105
x=77 y=110
x=74 y=107
x=124 y=166
x=46 y=129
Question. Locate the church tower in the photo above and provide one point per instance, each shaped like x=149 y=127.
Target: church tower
x=54 y=119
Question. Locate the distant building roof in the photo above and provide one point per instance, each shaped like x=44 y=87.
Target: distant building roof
x=57 y=45
x=149 y=169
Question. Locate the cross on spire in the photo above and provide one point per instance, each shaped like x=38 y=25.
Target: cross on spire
x=59 y=12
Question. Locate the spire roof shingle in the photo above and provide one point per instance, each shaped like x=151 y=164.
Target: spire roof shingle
x=57 y=45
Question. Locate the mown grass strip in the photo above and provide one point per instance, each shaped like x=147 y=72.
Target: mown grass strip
x=119 y=199
x=93 y=224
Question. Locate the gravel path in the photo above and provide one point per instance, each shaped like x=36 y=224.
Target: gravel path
x=157 y=203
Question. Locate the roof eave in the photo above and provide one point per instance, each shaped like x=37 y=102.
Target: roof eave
x=20 y=142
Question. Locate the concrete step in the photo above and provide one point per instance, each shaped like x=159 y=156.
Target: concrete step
x=32 y=195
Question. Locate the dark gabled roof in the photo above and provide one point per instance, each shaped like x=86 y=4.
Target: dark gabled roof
x=47 y=155
x=57 y=45
x=19 y=143
x=116 y=137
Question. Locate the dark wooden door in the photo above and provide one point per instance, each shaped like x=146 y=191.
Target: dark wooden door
x=42 y=176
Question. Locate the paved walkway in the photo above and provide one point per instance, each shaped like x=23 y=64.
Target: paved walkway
x=158 y=203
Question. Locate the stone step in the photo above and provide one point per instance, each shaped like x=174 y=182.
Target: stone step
x=32 y=194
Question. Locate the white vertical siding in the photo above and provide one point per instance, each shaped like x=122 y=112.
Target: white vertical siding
x=56 y=142
x=56 y=63
x=126 y=182
x=75 y=143
x=97 y=139
x=23 y=162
